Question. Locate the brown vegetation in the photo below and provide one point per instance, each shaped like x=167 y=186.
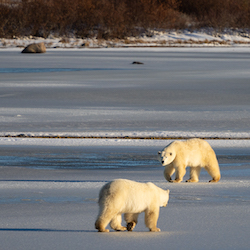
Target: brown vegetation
x=218 y=13
x=117 y=18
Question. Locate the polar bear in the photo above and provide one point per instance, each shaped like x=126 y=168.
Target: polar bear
x=131 y=198
x=195 y=153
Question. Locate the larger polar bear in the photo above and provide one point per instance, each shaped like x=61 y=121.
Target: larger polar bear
x=195 y=153
x=131 y=198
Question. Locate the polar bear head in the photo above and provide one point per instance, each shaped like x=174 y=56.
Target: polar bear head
x=167 y=155
x=164 y=197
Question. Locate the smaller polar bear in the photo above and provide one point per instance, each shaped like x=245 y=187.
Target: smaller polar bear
x=195 y=153
x=131 y=198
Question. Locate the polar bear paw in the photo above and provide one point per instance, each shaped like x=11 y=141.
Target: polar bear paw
x=214 y=180
x=131 y=226
x=192 y=180
x=175 y=181
x=103 y=230
x=121 y=229
x=155 y=229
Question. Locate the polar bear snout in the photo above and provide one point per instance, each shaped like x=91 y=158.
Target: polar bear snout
x=161 y=157
x=165 y=160
x=162 y=160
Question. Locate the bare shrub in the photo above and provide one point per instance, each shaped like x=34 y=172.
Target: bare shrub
x=109 y=19
x=218 y=13
x=9 y=14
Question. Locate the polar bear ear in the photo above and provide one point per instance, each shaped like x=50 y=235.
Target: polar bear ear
x=159 y=152
x=168 y=191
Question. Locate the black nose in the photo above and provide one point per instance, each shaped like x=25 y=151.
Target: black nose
x=162 y=162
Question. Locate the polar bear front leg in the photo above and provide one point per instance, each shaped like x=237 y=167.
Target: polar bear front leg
x=115 y=223
x=194 y=174
x=131 y=220
x=180 y=171
x=151 y=218
x=169 y=171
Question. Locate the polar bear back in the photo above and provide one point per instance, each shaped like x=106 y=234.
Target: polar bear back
x=130 y=196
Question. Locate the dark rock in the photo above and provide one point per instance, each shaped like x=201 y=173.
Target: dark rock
x=135 y=62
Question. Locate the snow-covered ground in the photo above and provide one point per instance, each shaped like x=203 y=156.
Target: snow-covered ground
x=49 y=186
x=180 y=38
x=48 y=204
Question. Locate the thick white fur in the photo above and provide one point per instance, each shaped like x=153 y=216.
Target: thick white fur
x=195 y=153
x=131 y=198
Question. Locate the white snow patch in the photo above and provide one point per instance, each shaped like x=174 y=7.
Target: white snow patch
x=180 y=38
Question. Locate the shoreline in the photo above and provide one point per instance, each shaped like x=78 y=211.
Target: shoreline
x=158 y=39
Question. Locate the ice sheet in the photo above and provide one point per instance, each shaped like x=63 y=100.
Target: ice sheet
x=181 y=91
x=49 y=187
x=57 y=209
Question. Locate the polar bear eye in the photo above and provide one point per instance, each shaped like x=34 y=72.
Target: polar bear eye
x=170 y=153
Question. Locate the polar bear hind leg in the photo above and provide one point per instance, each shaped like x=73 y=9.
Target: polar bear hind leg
x=214 y=172
x=100 y=225
x=194 y=174
x=116 y=223
x=131 y=220
x=104 y=218
x=151 y=217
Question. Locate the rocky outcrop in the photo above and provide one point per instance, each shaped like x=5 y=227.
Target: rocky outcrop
x=35 y=48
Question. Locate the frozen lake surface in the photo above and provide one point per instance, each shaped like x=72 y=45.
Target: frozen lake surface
x=49 y=187
x=83 y=92
x=49 y=199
